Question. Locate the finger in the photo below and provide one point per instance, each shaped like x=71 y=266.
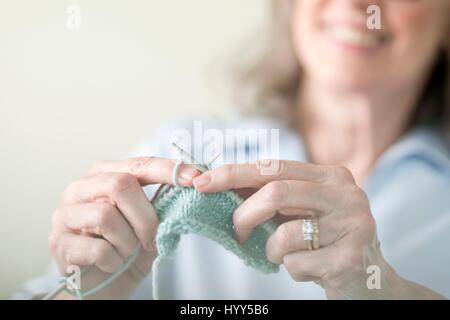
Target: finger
x=306 y=265
x=82 y=250
x=123 y=191
x=284 y=197
x=100 y=218
x=148 y=170
x=336 y=264
x=236 y=176
x=288 y=237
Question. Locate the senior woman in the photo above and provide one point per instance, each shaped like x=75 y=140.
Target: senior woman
x=363 y=117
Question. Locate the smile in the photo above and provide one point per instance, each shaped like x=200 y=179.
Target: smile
x=356 y=37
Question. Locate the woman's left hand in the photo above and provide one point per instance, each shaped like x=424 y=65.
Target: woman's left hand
x=296 y=191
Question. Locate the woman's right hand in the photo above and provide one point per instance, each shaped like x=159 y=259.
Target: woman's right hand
x=104 y=216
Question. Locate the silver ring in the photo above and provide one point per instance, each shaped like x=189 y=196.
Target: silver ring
x=310 y=231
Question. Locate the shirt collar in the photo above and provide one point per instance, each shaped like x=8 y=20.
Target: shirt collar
x=426 y=143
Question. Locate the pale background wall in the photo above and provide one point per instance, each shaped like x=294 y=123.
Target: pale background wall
x=68 y=97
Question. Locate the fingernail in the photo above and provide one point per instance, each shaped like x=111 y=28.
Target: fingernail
x=235 y=236
x=267 y=167
x=241 y=240
x=202 y=181
x=188 y=173
x=264 y=162
x=151 y=246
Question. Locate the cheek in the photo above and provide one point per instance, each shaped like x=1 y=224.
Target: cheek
x=418 y=32
x=412 y=26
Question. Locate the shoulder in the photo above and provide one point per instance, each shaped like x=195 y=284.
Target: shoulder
x=409 y=186
x=426 y=144
x=422 y=154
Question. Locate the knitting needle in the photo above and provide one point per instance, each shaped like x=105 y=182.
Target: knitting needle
x=190 y=159
x=214 y=158
x=52 y=294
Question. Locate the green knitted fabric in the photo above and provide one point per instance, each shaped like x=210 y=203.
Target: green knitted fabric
x=183 y=210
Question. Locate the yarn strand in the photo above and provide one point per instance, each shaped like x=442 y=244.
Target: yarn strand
x=175 y=170
x=130 y=260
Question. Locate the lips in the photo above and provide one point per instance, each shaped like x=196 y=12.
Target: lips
x=356 y=37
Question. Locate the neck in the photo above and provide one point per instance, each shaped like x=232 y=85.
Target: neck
x=352 y=129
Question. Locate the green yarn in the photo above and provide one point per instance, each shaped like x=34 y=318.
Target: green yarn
x=183 y=210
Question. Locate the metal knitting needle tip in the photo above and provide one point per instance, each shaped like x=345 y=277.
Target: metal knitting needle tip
x=214 y=158
x=188 y=159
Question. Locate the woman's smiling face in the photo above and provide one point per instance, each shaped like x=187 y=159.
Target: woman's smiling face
x=336 y=47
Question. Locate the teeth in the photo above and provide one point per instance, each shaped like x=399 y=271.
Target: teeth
x=354 y=37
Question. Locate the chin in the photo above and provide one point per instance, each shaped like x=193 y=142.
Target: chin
x=352 y=84
x=347 y=76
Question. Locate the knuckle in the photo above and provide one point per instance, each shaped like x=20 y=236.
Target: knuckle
x=140 y=164
x=275 y=191
x=370 y=224
x=357 y=198
x=96 y=167
x=366 y=222
x=104 y=215
x=285 y=236
x=57 y=216
x=102 y=251
x=121 y=181
x=229 y=172
x=358 y=193
x=74 y=189
x=323 y=173
x=53 y=242
x=71 y=188
x=342 y=173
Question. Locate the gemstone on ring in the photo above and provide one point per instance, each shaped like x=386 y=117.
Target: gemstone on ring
x=310 y=231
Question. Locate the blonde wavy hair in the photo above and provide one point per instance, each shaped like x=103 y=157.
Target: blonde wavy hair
x=267 y=83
